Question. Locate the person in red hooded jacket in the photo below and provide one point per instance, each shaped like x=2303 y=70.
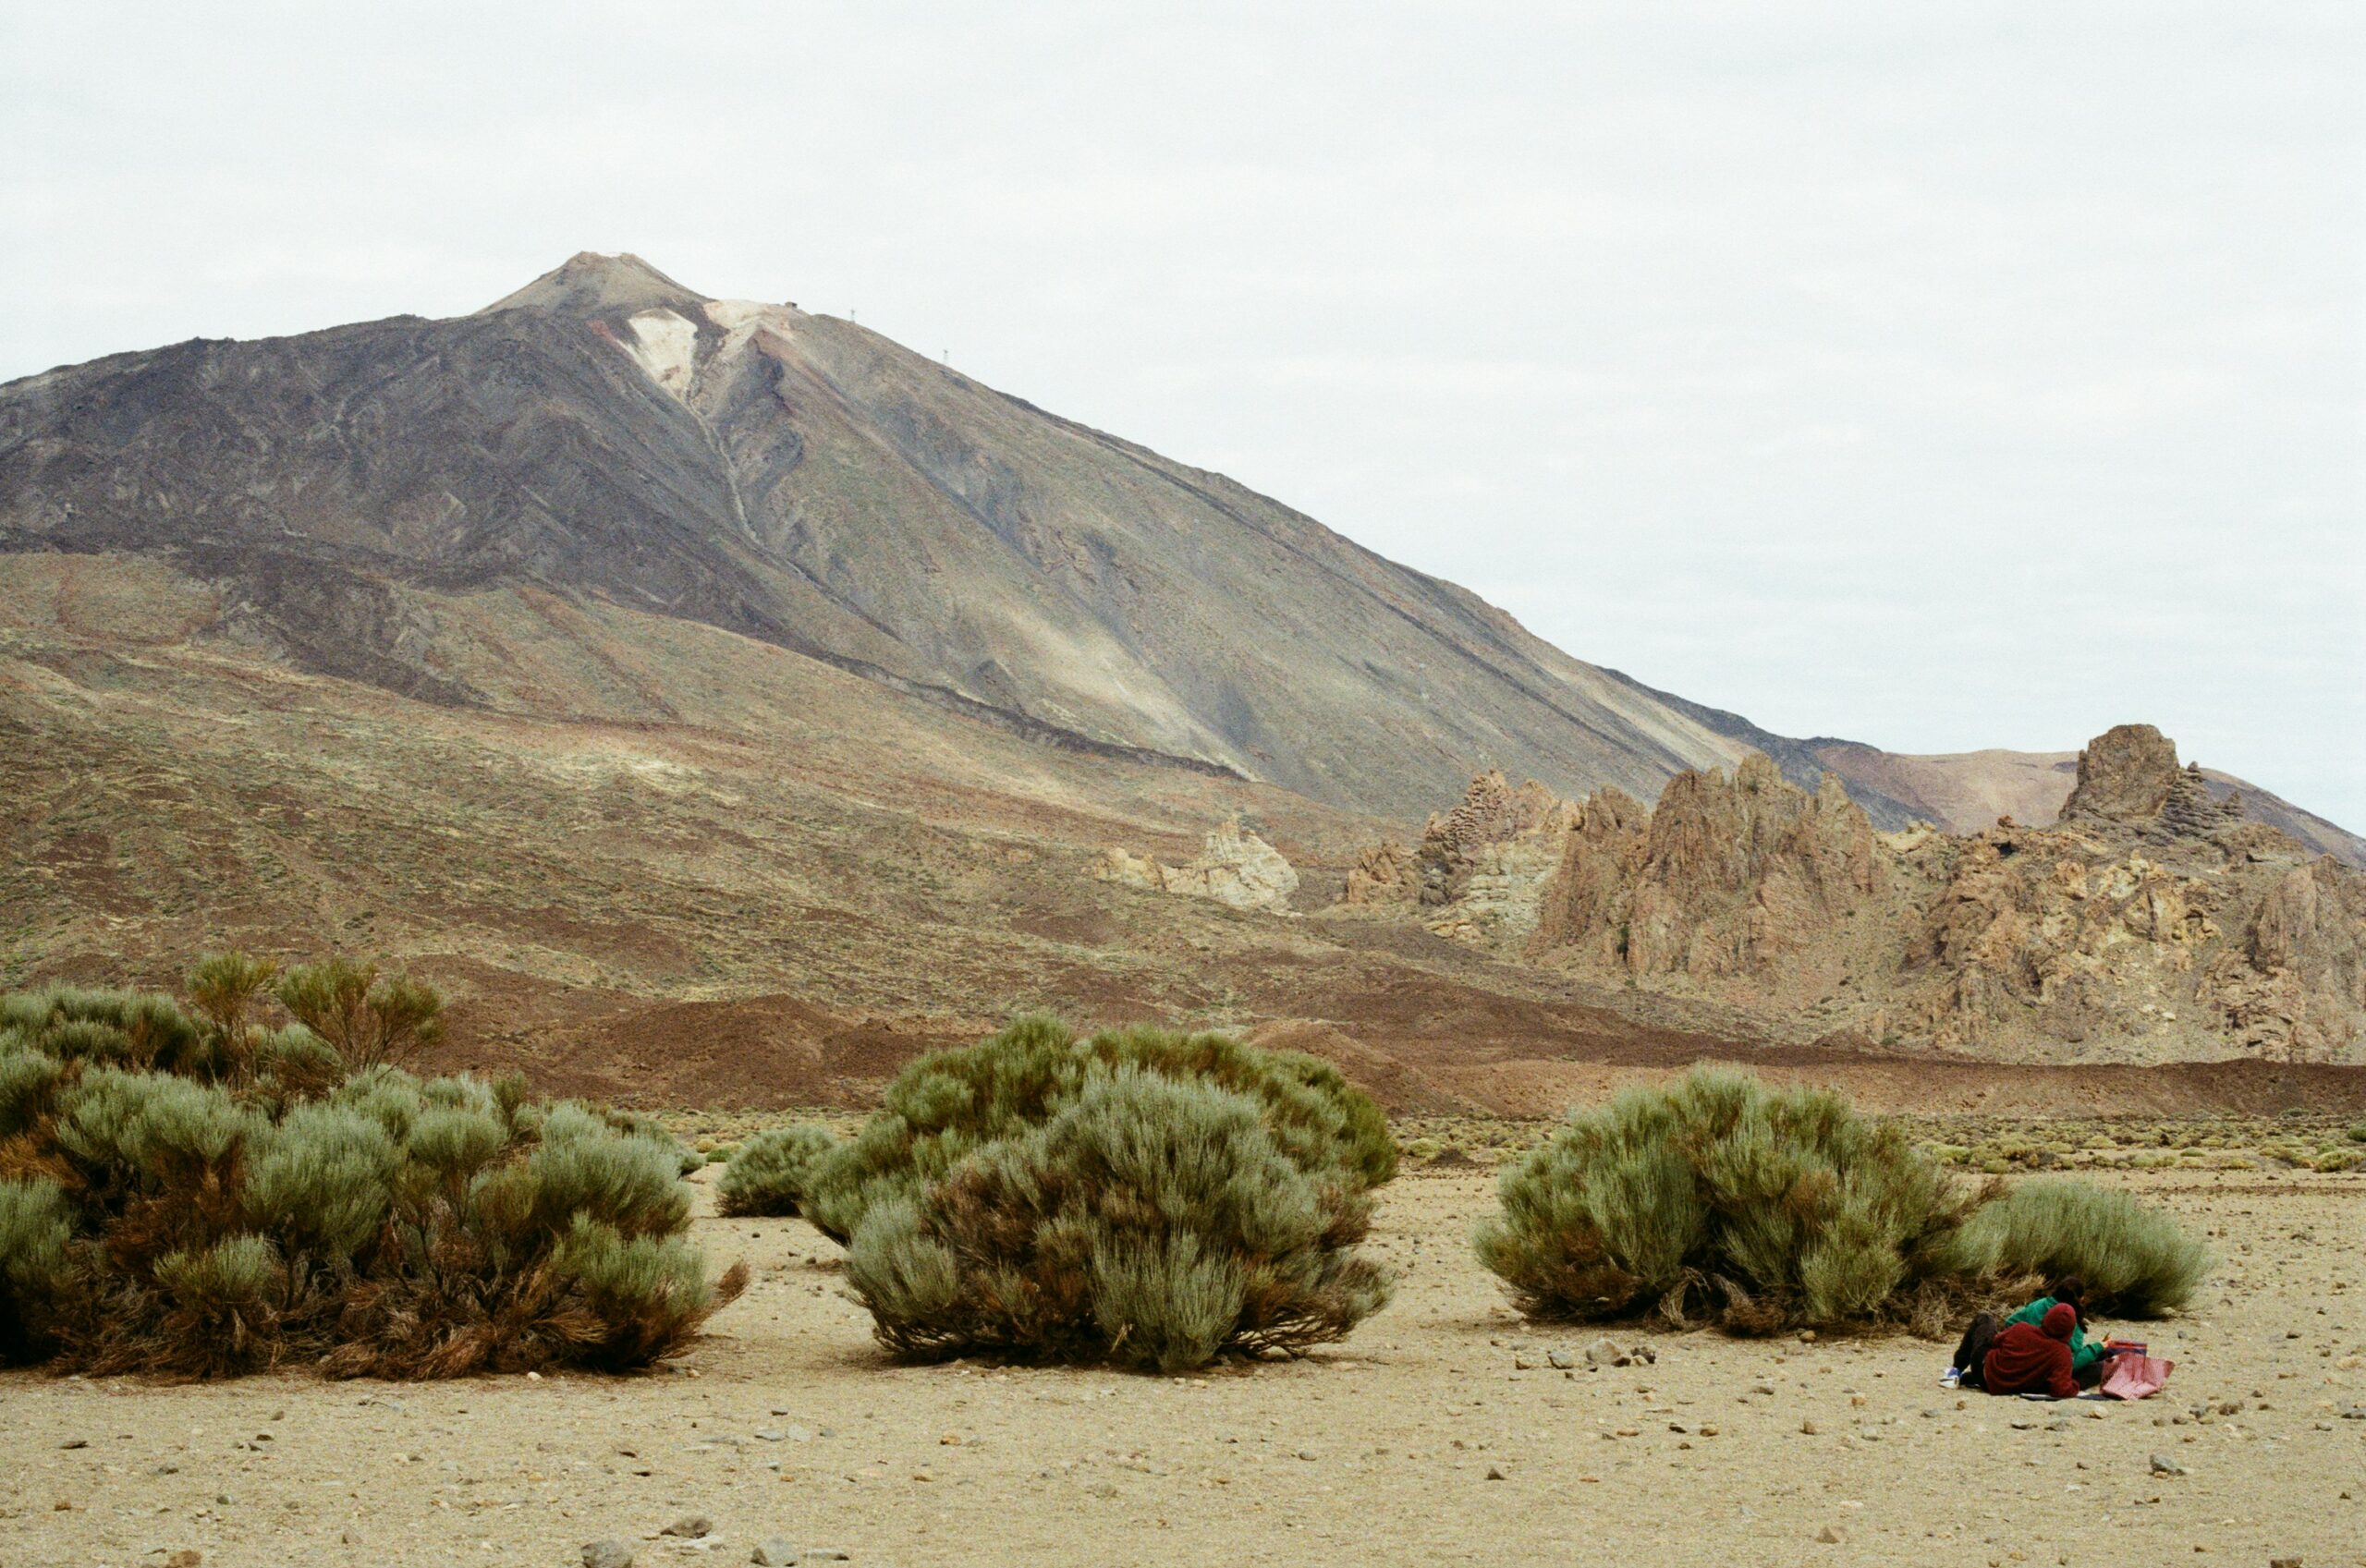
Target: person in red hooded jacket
x=2033 y=1358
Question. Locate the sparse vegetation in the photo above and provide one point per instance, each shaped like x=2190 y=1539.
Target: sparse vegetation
x=950 y=1102
x=769 y=1174
x=1716 y=1200
x=185 y=1190
x=1154 y=1220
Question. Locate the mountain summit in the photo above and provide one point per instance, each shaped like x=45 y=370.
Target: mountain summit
x=607 y=434
x=605 y=430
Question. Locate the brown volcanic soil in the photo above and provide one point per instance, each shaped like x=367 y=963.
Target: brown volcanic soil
x=787 y=1422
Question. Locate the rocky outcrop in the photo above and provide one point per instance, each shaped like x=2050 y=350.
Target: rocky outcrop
x=2151 y=922
x=1479 y=873
x=2191 y=812
x=2125 y=774
x=1728 y=877
x=1234 y=867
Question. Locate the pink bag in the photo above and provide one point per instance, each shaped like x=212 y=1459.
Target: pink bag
x=2136 y=1376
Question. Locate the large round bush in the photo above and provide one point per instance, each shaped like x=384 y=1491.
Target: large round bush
x=1151 y=1222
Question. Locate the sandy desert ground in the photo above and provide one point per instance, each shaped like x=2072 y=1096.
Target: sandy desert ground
x=1439 y=1433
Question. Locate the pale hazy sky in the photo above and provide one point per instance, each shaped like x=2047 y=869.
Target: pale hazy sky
x=1941 y=375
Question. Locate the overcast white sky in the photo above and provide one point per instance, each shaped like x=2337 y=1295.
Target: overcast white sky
x=1941 y=375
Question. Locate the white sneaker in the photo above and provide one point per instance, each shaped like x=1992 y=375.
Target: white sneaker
x=1951 y=1378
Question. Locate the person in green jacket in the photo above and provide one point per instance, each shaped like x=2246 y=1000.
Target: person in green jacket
x=2086 y=1356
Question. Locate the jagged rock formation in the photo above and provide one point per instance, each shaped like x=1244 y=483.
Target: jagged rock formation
x=1727 y=877
x=1480 y=869
x=2124 y=776
x=2152 y=922
x=1233 y=867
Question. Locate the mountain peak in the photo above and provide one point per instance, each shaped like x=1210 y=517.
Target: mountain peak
x=589 y=284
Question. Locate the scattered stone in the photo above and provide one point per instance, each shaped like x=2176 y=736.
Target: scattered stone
x=606 y=1554
x=690 y=1526
x=1495 y=1473
x=1807 y=1427
x=2165 y=1466
x=1830 y=1535
x=188 y=1557
x=1561 y=1360
x=76 y=1442
x=1601 y=1353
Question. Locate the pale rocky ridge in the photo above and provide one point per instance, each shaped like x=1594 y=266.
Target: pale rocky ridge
x=1234 y=867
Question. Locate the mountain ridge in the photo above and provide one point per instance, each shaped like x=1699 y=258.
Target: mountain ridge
x=607 y=429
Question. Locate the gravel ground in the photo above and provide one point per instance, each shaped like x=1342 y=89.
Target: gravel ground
x=1440 y=1432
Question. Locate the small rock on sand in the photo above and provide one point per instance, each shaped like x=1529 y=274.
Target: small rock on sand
x=1603 y=1352
x=2165 y=1466
x=690 y=1526
x=1830 y=1535
x=606 y=1554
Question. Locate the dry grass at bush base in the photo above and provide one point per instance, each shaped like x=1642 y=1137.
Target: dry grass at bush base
x=260 y=1207
x=1714 y=1199
x=950 y=1102
x=1150 y=1223
x=768 y=1174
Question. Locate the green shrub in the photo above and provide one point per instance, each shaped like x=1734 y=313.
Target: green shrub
x=26 y=1078
x=123 y=1029
x=369 y=1018
x=2135 y=1261
x=131 y=1132
x=647 y=1293
x=219 y=1313
x=949 y=1102
x=241 y=1202
x=1762 y=1210
x=1150 y=1223
x=36 y=1223
x=456 y=1141
x=768 y=1174
x=2358 y=1131
x=324 y=1181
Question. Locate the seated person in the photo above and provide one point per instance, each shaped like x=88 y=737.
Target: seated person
x=2088 y=1363
x=2033 y=1358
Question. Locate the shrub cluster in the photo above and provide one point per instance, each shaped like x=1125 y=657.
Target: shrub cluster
x=1142 y=1198
x=950 y=1103
x=1150 y=1223
x=768 y=1174
x=184 y=1191
x=1760 y=1210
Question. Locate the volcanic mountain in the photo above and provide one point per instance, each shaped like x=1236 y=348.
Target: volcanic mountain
x=605 y=433
x=713 y=688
